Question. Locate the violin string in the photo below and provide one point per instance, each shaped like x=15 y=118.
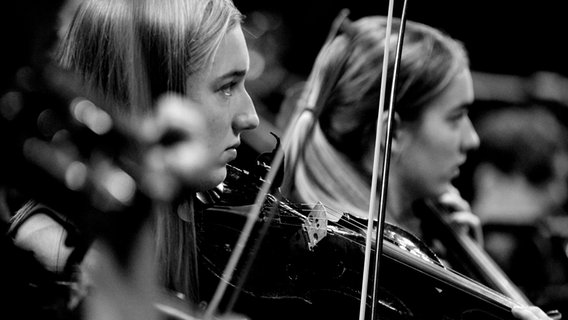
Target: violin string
x=329 y=211
x=469 y=284
x=337 y=215
x=349 y=224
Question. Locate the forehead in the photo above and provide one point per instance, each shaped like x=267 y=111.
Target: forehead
x=231 y=56
x=458 y=94
x=232 y=53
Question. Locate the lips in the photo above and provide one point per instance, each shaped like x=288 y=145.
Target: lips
x=456 y=170
x=234 y=146
x=231 y=151
x=460 y=162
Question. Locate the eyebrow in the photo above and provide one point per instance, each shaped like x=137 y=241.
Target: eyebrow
x=233 y=74
x=465 y=105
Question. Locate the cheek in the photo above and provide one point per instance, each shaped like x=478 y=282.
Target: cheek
x=218 y=126
x=216 y=118
x=432 y=161
x=440 y=142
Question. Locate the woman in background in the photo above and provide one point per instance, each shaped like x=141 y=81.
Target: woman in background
x=432 y=130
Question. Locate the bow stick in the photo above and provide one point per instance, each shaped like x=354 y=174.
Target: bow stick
x=386 y=162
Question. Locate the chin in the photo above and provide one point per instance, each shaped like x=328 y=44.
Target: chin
x=436 y=190
x=444 y=187
x=207 y=181
x=217 y=176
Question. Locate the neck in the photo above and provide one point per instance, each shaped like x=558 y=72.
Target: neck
x=399 y=207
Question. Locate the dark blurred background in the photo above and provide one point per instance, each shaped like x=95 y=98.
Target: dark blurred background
x=506 y=36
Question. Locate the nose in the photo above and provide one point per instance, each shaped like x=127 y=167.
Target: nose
x=470 y=140
x=245 y=118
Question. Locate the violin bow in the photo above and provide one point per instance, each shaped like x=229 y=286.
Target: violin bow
x=385 y=169
x=374 y=179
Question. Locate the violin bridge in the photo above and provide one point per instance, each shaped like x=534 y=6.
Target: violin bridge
x=315 y=228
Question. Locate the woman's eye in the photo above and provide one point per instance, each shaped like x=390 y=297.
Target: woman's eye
x=457 y=116
x=227 y=89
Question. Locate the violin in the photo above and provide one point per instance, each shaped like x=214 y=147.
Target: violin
x=308 y=266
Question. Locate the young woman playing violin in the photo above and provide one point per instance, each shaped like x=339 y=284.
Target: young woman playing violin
x=195 y=59
x=432 y=130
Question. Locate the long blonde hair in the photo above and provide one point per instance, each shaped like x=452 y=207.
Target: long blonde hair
x=174 y=38
x=171 y=40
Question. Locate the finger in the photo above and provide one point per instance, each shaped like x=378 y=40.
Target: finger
x=465 y=218
x=468 y=223
x=529 y=313
x=454 y=201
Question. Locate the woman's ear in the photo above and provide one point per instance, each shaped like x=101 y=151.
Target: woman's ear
x=397 y=131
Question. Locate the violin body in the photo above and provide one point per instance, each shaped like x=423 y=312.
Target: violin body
x=289 y=278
